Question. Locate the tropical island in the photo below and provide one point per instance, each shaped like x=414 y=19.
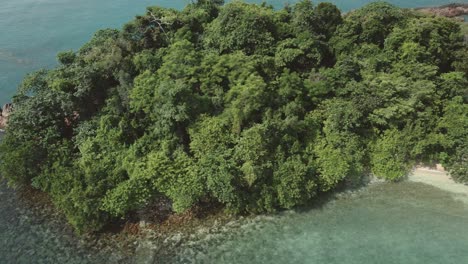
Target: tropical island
x=240 y=107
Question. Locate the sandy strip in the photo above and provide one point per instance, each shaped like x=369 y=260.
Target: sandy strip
x=440 y=179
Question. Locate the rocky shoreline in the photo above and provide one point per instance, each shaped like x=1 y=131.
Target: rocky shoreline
x=5 y=112
x=451 y=10
x=30 y=226
x=148 y=234
x=176 y=239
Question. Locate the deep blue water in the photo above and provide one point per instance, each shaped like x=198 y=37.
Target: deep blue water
x=33 y=31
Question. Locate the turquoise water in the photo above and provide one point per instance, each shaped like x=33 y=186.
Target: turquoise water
x=33 y=31
x=26 y=237
x=409 y=223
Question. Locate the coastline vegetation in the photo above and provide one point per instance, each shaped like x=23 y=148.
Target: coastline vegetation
x=240 y=104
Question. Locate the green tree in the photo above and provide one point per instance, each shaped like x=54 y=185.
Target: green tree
x=241 y=26
x=390 y=156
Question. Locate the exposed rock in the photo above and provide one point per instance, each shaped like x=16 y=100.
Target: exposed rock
x=451 y=10
x=4 y=114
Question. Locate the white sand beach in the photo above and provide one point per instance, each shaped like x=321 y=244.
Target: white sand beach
x=439 y=178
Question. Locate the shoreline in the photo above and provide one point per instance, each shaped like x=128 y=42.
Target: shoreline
x=157 y=245
x=451 y=5
x=30 y=213
x=179 y=243
x=454 y=11
x=146 y=241
x=440 y=179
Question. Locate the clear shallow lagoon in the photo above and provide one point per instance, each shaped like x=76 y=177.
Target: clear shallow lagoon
x=409 y=223
x=386 y=223
x=33 y=31
x=27 y=237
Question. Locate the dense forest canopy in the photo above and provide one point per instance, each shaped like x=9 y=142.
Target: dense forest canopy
x=240 y=104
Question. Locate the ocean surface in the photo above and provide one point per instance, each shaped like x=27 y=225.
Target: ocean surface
x=33 y=31
x=385 y=223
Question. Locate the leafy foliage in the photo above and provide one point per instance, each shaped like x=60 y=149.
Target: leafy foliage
x=254 y=108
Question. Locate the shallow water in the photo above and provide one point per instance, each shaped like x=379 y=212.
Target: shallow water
x=33 y=31
x=27 y=236
x=385 y=223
